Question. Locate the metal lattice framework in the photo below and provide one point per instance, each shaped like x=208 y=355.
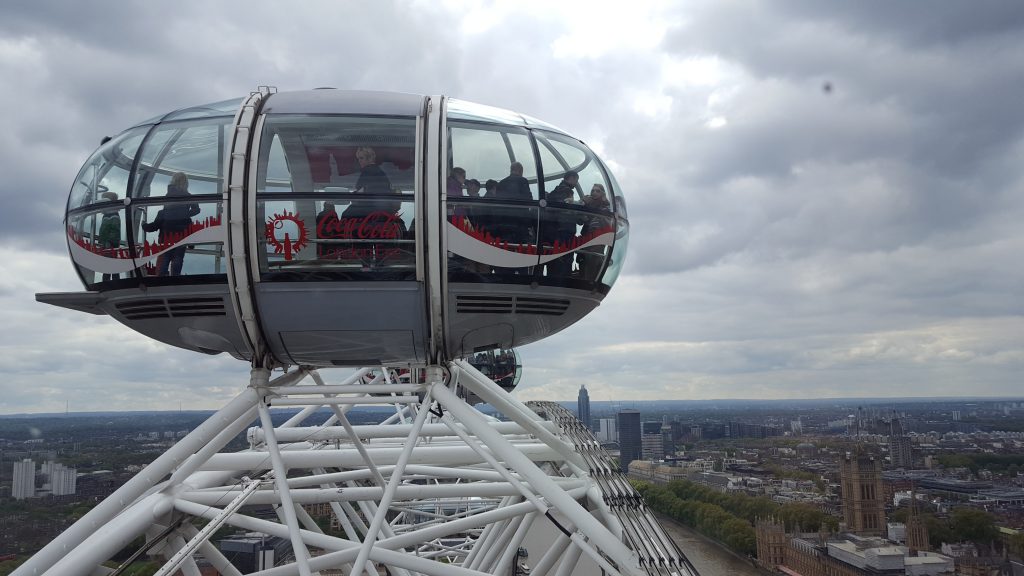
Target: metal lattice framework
x=438 y=488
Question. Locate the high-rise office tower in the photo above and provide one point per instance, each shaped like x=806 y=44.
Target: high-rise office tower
x=583 y=406
x=668 y=444
x=606 y=431
x=860 y=475
x=650 y=441
x=678 y=430
x=651 y=447
x=24 y=485
x=630 y=447
x=899 y=445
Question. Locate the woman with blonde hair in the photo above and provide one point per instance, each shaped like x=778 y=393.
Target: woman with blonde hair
x=372 y=180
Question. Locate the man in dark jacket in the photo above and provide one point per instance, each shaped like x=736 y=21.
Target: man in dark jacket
x=515 y=223
x=559 y=226
x=514 y=186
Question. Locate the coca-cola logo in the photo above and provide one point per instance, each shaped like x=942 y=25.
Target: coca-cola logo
x=286 y=232
x=378 y=225
x=374 y=226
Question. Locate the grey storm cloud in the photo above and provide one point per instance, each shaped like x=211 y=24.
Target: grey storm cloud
x=911 y=143
x=824 y=199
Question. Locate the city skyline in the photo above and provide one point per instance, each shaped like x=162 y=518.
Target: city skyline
x=824 y=202
x=792 y=481
x=615 y=405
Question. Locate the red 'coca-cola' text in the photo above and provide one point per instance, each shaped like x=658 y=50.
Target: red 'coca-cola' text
x=374 y=226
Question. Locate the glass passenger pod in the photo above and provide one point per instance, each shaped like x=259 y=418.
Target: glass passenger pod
x=535 y=228
x=145 y=229
x=334 y=203
x=340 y=279
x=502 y=365
x=146 y=208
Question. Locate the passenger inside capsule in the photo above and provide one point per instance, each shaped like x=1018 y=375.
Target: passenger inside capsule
x=173 y=222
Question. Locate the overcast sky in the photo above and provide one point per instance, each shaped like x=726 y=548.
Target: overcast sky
x=826 y=199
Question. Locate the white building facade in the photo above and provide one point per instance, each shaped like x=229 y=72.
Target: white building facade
x=63 y=480
x=24 y=485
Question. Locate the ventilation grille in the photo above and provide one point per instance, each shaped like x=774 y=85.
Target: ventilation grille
x=511 y=305
x=171 y=308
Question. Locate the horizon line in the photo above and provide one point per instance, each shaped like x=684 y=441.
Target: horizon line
x=876 y=399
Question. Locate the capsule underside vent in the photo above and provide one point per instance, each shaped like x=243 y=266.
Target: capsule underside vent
x=153 y=308
x=476 y=304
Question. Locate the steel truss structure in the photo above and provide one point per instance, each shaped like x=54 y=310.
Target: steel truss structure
x=436 y=489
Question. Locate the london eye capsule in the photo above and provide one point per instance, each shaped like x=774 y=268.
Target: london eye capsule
x=343 y=228
x=500 y=365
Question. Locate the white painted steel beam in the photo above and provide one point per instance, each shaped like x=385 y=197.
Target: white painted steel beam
x=350 y=389
x=594 y=530
x=216 y=497
x=451 y=492
x=396 y=477
x=319 y=433
x=377 y=553
x=349 y=458
x=342 y=400
x=240 y=407
x=201 y=536
x=504 y=402
x=111 y=537
x=280 y=479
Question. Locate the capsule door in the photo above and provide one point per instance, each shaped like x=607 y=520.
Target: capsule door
x=333 y=250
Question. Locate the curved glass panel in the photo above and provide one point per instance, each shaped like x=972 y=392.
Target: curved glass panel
x=532 y=122
x=574 y=241
x=371 y=156
x=619 y=201
x=487 y=154
x=104 y=178
x=572 y=155
x=222 y=108
x=498 y=234
x=491 y=241
x=618 y=255
x=336 y=198
x=558 y=240
x=336 y=237
x=179 y=237
x=462 y=110
x=560 y=157
x=195 y=149
x=594 y=246
x=98 y=242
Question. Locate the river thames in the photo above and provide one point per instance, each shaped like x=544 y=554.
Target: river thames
x=709 y=558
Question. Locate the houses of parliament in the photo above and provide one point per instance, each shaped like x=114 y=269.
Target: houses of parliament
x=862 y=548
